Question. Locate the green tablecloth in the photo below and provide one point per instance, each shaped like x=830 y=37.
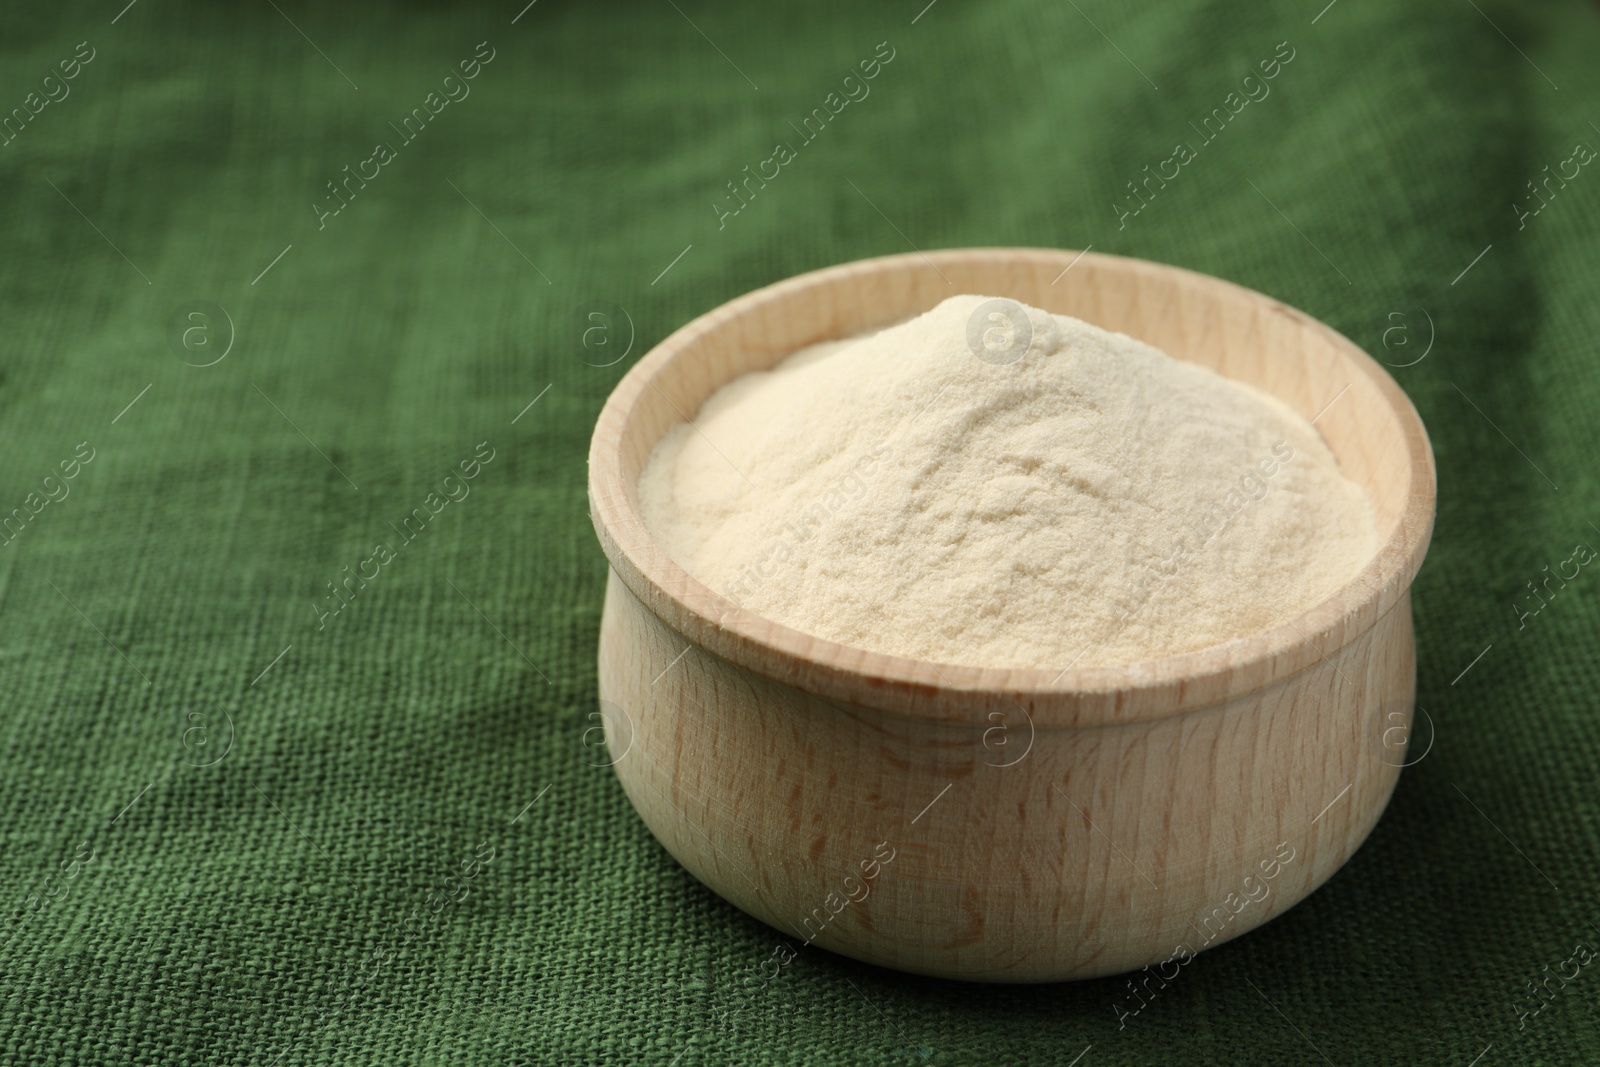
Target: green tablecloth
x=243 y=827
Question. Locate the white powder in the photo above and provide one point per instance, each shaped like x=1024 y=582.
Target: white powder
x=1093 y=502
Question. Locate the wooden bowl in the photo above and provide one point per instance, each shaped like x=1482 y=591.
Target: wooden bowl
x=994 y=824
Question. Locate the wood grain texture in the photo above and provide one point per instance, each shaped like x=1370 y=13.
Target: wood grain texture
x=1083 y=821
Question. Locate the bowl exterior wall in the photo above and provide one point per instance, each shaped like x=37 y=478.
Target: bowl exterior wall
x=995 y=850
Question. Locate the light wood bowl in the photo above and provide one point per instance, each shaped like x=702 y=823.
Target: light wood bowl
x=1010 y=825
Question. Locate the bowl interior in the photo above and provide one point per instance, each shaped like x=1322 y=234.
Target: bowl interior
x=1366 y=420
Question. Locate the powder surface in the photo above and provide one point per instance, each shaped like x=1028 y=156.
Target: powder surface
x=1091 y=502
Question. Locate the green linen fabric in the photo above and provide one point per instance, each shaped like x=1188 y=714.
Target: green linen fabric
x=250 y=820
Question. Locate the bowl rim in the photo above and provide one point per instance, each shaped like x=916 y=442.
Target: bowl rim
x=927 y=690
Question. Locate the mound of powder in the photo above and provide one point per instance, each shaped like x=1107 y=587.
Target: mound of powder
x=1091 y=502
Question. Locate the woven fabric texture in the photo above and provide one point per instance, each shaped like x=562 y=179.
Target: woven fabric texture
x=249 y=821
